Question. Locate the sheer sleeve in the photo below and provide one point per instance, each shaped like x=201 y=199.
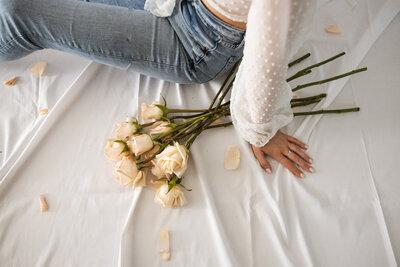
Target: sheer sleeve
x=260 y=100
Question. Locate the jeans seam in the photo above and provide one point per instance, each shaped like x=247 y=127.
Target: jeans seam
x=119 y=58
x=7 y=45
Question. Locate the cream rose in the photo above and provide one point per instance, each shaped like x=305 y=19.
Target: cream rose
x=173 y=159
x=157 y=172
x=125 y=129
x=160 y=127
x=140 y=144
x=113 y=150
x=126 y=172
x=174 y=197
x=151 y=111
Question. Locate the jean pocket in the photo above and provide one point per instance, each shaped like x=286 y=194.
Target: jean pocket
x=229 y=65
x=203 y=39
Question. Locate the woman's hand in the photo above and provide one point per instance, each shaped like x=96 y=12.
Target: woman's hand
x=288 y=151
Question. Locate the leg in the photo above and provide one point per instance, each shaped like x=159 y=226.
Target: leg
x=116 y=36
x=131 y=4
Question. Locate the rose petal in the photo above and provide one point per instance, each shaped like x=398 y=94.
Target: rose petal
x=333 y=29
x=163 y=243
x=43 y=111
x=43 y=204
x=38 y=68
x=11 y=82
x=232 y=158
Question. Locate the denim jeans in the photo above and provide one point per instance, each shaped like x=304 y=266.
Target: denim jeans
x=190 y=46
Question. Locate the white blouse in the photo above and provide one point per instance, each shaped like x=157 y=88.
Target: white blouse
x=260 y=99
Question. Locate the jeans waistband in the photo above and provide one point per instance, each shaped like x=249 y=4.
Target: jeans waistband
x=227 y=31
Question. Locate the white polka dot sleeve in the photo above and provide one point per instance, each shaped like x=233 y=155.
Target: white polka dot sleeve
x=260 y=100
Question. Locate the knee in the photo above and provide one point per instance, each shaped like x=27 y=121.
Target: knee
x=12 y=25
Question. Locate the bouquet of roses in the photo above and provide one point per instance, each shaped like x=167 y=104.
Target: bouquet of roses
x=162 y=145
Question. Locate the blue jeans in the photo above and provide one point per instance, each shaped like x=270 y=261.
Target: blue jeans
x=190 y=46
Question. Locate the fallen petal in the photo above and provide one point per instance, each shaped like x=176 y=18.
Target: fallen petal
x=333 y=29
x=43 y=111
x=11 y=82
x=163 y=243
x=43 y=203
x=232 y=158
x=38 y=68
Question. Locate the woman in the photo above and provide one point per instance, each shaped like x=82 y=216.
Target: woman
x=183 y=41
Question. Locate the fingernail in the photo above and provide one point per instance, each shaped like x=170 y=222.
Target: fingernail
x=310 y=160
x=311 y=169
x=268 y=170
x=302 y=175
x=306 y=146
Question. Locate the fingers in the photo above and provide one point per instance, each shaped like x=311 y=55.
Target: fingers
x=297 y=142
x=259 y=154
x=301 y=153
x=290 y=166
x=299 y=161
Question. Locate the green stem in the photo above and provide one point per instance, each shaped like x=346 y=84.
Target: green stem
x=324 y=111
x=219 y=125
x=294 y=62
x=195 y=129
x=194 y=119
x=308 y=98
x=305 y=103
x=301 y=72
x=205 y=124
x=185 y=129
x=328 y=80
x=298 y=76
x=186 y=116
x=181 y=127
x=186 y=110
x=224 y=83
x=195 y=115
x=224 y=94
x=190 y=133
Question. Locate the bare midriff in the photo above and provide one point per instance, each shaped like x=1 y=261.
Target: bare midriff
x=240 y=25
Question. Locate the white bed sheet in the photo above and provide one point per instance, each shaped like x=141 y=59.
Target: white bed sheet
x=345 y=214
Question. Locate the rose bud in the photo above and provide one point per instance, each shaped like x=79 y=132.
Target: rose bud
x=174 y=197
x=151 y=111
x=140 y=144
x=115 y=151
x=160 y=127
x=125 y=129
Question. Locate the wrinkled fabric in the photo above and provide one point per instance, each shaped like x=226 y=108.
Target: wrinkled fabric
x=344 y=214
